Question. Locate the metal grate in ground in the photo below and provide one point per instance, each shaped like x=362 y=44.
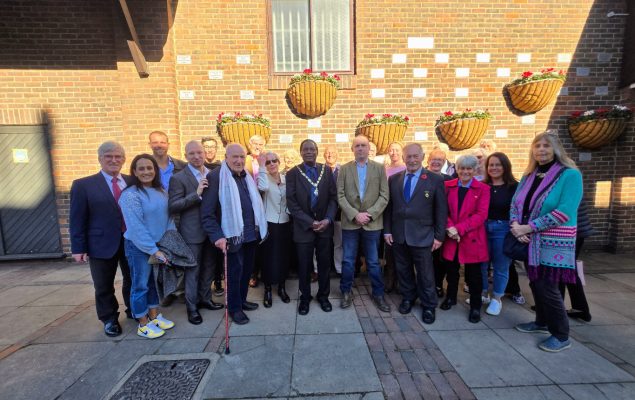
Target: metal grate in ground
x=170 y=379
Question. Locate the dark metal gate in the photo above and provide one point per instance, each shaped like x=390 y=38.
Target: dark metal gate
x=29 y=227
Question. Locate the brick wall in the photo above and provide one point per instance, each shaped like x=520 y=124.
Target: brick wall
x=80 y=73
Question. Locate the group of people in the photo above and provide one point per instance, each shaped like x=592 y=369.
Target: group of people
x=257 y=218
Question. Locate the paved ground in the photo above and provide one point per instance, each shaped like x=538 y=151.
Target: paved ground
x=52 y=347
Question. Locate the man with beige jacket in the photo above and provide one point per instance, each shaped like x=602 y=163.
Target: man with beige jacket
x=362 y=193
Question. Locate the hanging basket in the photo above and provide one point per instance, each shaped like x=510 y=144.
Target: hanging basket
x=462 y=134
x=312 y=98
x=533 y=96
x=240 y=132
x=597 y=133
x=383 y=135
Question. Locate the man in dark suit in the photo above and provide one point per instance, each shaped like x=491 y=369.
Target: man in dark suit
x=312 y=202
x=96 y=228
x=414 y=224
x=186 y=188
x=239 y=238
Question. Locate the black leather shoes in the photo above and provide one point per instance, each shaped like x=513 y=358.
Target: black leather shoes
x=380 y=303
x=405 y=307
x=283 y=294
x=428 y=316
x=210 y=305
x=475 y=316
x=447 y=304
x=239 y=317
x=249 y=306
x=303 y=308
x=267 y=299
x=194 y=317
x=586 y=317
x=325 y=305
x=112 y=328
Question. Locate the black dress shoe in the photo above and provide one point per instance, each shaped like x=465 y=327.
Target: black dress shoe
x=283 y=294
x=210 y=305
x=239 y=317
x=267 y=300
x=428 y=316
x=194 y=317
x=303 y=308
x=380 y=303
x=405 y=307
x=112 y=328
x=586 y=317
x=475 y=316
x=325 y=305
x=249 y=306
x=129 y=314
x=447 y=304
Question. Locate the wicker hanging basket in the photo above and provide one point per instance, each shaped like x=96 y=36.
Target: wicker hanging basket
x=240 y=132
x=383 y=135
x=533 y=96
x=312 y=98
x=597 y=133
x=462 y=134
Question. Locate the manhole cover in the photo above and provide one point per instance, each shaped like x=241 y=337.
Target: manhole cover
x=172 y=379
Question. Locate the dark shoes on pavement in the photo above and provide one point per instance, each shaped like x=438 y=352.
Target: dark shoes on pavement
x=325 y=305
x=380 y=303
x=428 y=316
x=447 y=304
x=249 y=306
x=282 y=292
x=303 y=307
x=475 y=316
x=112 y=328
x=405 y=307
x=210 y=305
x=267 y=301
x=347 y=300
x=586 y=317
x=239 y=317
x=194 y=317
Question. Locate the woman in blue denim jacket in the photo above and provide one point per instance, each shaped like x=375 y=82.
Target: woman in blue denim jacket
x=144 y=206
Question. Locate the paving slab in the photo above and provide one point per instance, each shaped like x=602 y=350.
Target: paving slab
x=24 y=321
x=601 y=391
x=180 y=346
x=84 y=327
x=69 y=273
x=450 y=320
x=511 y=315
x=109 y=369
x=618 y=340
x=476 y=356
x=7 y=310
x=258 y=366
x=606 y=283
x=602 y=315
x=575 y=365
x=67 y=295
x=521 y=393
x=277 y=320
x=337 y=321
x=623 y=278
x=40 y=371
x=21 y=295
x=622 y=303
x=335 y=363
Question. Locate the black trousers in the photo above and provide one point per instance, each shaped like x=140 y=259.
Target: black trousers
x=472 y=278
x=240 y=265
x=324 y=254
x=198 y=280
x=103 y=271
x=439 y=268
x=550 y=311
x=512 y=284
x=421 y=285
x=576 y=290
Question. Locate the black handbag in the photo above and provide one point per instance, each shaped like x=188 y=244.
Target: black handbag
x=514 y=249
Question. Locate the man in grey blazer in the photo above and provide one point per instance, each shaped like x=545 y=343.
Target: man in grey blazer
x=186 y=187
x=362 y=193
x=414 y=225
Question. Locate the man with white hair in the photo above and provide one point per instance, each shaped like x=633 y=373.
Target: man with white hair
x=256 y=147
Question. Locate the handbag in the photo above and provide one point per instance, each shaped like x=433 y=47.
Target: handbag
x=514 y=249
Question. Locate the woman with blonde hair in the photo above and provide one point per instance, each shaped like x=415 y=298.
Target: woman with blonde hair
x=544 y=217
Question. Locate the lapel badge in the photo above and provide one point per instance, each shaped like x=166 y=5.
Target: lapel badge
x=427 y=193
x=424 y=176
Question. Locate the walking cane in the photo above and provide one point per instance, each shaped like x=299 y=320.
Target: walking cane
x=226 y=310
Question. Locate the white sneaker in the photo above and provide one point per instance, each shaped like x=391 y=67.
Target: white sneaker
x=484 y=299
x=163 y=323
x=150 y=331
x=495 y=307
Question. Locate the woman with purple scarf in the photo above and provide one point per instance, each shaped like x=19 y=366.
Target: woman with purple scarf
x=544 y=216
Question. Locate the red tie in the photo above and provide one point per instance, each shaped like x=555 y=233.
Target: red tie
x=116 y=191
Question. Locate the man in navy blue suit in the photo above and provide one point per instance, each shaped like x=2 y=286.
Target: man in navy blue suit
x=97 y=226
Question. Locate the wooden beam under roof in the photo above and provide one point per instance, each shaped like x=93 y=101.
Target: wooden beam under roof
x=134 y=45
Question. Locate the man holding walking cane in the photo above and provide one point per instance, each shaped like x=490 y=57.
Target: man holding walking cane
x=232 y=215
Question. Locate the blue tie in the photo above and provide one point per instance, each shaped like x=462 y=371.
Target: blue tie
x=406 y=189
x=312 y=174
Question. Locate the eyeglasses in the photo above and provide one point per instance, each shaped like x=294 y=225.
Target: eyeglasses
x=209 y=147
x=274 y=161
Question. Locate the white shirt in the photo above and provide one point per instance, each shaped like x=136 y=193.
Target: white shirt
x=274 y=197
x=120 y=181
x=197 y=174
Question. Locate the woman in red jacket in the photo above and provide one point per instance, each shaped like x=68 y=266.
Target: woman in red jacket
x=466 y=241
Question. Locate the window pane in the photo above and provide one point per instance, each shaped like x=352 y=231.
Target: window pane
x=331 y=35
x=290 y=26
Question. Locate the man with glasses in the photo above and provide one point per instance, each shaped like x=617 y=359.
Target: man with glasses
x=210 y=146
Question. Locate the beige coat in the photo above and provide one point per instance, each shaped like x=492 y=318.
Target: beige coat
x=375 y=195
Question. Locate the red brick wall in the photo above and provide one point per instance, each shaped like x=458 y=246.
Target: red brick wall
x=89 y=103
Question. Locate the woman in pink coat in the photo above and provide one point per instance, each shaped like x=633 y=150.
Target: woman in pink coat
x=466 y=241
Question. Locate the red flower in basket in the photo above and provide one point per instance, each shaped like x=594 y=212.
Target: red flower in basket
x=527 y=74
x=447 y=113
x=308 y=71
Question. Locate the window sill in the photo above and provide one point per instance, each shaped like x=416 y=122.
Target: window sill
x=281 y=82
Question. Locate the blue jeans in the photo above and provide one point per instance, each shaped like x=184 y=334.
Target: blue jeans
x=370 y=244
x=143 y=294
x=496 y=231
